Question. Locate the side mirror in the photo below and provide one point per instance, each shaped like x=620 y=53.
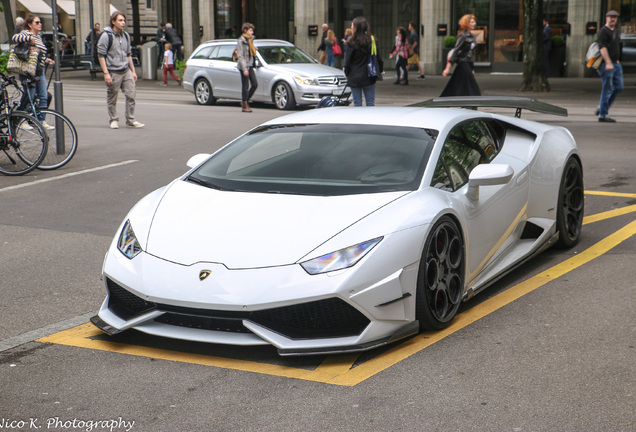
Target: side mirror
x=487 y=175
x=197 y=160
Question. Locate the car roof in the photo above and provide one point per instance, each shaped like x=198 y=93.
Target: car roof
x=257 y=42
x=428 y=118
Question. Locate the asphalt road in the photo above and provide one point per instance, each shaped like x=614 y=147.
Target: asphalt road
x=551 y=347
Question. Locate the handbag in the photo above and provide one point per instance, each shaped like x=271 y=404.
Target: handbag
x=337 y=51
x=23 y=67
x=22 y=50
x=373 y=68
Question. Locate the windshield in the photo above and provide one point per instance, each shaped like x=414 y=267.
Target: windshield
x=323 y=159
x=284 y=54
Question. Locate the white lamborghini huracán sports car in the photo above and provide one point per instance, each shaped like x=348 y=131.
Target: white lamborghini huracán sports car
x=344 y=229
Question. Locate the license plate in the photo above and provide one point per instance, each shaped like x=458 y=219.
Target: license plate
x=337 y=92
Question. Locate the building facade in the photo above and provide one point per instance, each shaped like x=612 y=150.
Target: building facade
x=499 y=24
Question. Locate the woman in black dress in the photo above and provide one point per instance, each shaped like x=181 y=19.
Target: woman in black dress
x=462 y=82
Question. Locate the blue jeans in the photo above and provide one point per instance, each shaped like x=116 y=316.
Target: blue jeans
x=38 y=94
x=612 y=86
x=331 y=59
x=369 y=95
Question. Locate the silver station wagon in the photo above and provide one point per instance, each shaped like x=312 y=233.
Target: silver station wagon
x=287 y=76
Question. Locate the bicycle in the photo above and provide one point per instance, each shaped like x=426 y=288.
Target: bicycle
x=23 y=140
x=60 y=130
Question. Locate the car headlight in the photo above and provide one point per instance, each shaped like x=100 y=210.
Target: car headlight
x=127 y=243
x=342 y=259
x=305 y=80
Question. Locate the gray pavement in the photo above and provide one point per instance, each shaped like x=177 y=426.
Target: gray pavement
x=557 y=359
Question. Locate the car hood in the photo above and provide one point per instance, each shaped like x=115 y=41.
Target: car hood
x=307 y=69
x=194 y=224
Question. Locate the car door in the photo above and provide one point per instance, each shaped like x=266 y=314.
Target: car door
x=224 y=74
x=491 y=218
x=264 y=76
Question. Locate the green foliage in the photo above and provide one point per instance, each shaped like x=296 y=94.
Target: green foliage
x=179 y=66
x=4 y=59
x=450 y=41
x=557 y=41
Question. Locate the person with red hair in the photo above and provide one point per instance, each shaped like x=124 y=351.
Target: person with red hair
x=462 y=81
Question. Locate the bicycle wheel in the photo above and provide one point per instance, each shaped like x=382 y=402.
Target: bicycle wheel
x=62 y=140
x=23 y=144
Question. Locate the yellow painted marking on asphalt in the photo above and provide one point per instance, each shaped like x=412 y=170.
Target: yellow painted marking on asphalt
x=341 y=369
x=609 y=214
x=80 y=336
x=614 y=194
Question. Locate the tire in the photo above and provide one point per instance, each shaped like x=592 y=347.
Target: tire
x=27 y=147
x=65 y=132
x=570 y=205
x=203 y=92
x=440 y=280
x=283 y=97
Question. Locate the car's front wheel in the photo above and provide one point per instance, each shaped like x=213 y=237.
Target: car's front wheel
x=440 y=280
x=571 y=203
x=203 y=92
x=283 y=97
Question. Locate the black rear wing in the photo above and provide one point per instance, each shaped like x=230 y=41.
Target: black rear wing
x=474 y=102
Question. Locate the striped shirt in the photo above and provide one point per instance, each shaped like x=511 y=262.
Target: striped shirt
x=25 y=36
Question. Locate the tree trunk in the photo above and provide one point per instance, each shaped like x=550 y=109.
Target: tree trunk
x=534 y=78
x=8 y=17
x=136 y=22
x=196 y=37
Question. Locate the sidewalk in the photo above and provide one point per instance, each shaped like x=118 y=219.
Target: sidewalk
x=578 y=95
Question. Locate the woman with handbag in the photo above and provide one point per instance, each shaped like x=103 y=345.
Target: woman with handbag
x=330 y=46
x=357 y=56
x=31 y=35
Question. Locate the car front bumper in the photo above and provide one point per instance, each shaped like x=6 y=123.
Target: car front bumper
x=348 y=310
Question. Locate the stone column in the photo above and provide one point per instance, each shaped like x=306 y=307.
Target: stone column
x=309 y=12
x=433 y=12
x=580 y=12
x=101 y=15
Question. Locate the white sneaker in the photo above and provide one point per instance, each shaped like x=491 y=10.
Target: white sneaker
x=25 y=126
x=135 y=124
x=47 y=126
x=114 y=125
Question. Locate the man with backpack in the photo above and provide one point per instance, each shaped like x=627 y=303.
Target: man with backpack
x=611 y=71
x=115 y=58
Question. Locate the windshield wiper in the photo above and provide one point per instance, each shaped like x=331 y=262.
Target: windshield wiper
x=206 y=183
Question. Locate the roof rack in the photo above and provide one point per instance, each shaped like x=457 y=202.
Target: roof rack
x=474 y=102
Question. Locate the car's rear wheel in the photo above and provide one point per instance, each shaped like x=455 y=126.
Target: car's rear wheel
x=203 y=92
x=571 y=202
x=440 y=280
x=283 y=97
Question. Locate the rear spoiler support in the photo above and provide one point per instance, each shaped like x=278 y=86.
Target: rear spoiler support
x=474 y=102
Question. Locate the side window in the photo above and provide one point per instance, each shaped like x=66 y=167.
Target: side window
x=224 y=53
x=204 y=53
x=468 y=145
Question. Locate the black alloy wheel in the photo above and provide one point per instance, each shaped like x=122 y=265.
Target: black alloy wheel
x=571 y=204
x=440 y=283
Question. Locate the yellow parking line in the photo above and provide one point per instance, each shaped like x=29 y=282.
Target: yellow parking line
x=614 y=194
x=609 y=214
x=341 y=369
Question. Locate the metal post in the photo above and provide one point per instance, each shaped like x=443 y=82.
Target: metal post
x=57 y=84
